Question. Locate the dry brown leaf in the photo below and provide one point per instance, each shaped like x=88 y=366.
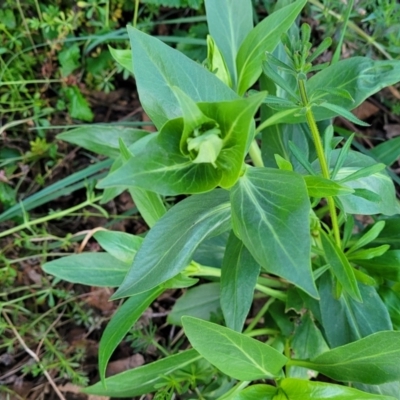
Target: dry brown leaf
x=115 y=367
x=365 y=110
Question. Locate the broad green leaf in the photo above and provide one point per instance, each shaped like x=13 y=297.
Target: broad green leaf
x=229 y=22
x=120 y=324
x=256 y=392
x=307 y=343
x=165 y=171
x=102 y=139
x=162 y=256
x=379 y=183
x=388 y=389
x=149 y=204
x=236 y=122
x=274 y=204
x=345 y=320
x=373 y=360
x=161 y=166
x=238 y=279
x=340 y=266
x=200 y=302
x=233 y=353
x=392 y=303
x=211 y=251
x=361 y=77
x=144 y=379
x=122 y=57
x=388 y=151
x=120 y=245
x=158 y=67
x=94 y=269
x=386 y=266
x=321 y=187
x=300 y=389
x=264 y=37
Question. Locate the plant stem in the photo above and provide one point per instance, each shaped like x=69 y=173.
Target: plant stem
x=202 y=270
x=255 y=154
x=259 y=315
x=321 y=157
x=135 y=13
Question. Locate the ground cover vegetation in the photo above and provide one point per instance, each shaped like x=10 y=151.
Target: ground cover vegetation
x=260 y=255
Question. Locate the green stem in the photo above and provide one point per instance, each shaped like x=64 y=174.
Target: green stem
x=259 y=315
x=261 y=332
x=255 y=154
x=202 y=270
x=135 y=13
x=50 y=217
x=321 y=157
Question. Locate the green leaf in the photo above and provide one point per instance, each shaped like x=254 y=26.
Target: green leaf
x=120 y=324
x=343 y=112
x=78 y=107
x=144 y=379
x=340 y=266
x=256 y=392
x=379 y=183
x=361 y=77
x=149 y=204
x=69 y=59
x=200 y=302
x=216 y=62
x=368 y=254
x=300 y=389
x=158 y=67
x=274 y=204
x=307 y=343
x=388 y=151
x=386 y=266
x=264 y=37
x=123 y=58
x=162 y=256
x=368 y=237
x=120 y=245
x=390 y=233
x=271 y=68
x=238 y=279
x=235 y=354
x=93 y=269
x=161 y=166
x=373 y=360
x=102 y=139
x=392 y=303
x=388 y=389
x=321 y=187
x=345 y=320
x=363 y=173
x=165 y=171
x=229 y=22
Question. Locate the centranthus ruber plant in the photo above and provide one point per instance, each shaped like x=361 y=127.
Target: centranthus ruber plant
x=272 y=195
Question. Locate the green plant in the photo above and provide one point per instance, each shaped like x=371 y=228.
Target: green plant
x=278 y=222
